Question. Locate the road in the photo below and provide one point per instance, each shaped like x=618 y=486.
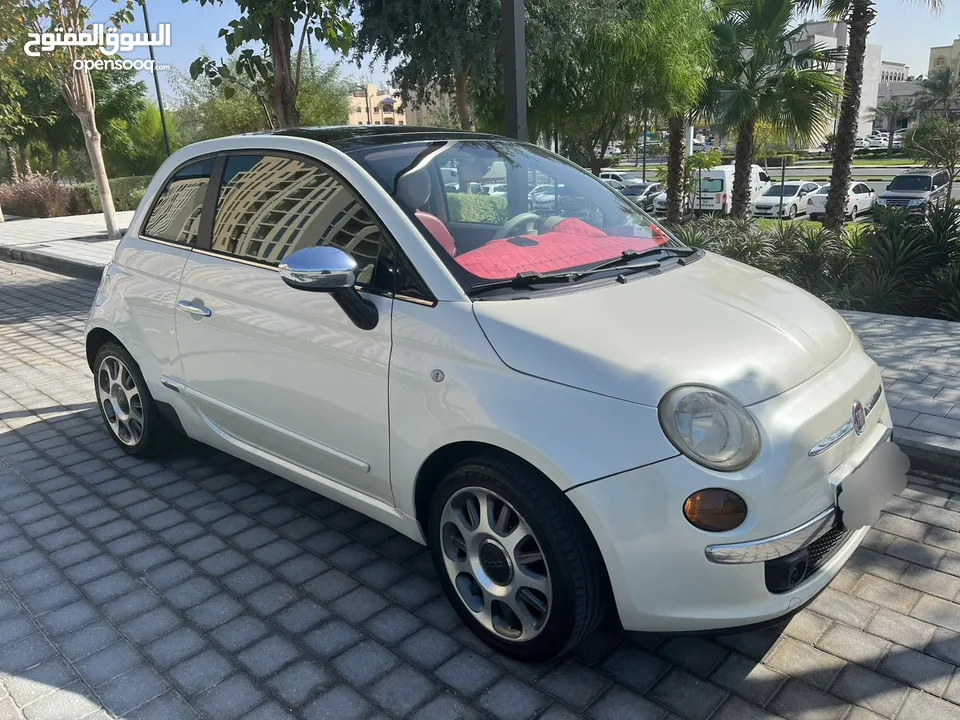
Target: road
x=195 y=585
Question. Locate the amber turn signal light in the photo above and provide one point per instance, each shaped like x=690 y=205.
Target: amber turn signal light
x=715 y=510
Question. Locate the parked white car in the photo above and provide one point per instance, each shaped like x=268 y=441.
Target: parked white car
x=622 y=176
x=574 y=415
x=784 y=201
x=879 y=141
x=860 y=199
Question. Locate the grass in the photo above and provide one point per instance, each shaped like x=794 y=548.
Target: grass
x=770 y=223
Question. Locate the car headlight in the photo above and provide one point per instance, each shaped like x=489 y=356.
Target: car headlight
x=709 y=427
x=881 y=201
x=914 y=203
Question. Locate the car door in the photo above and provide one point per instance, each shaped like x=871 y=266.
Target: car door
x=941 y=183
x=280 y=370
x=146 y=271
x=864 y=196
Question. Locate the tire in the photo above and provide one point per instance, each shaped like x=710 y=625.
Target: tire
x=126 y=404
x=814 y=217
x=559 y=587
x=792 y=212
x=854 y=213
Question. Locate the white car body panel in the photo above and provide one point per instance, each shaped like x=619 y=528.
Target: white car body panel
x=862 y=201
x=569 y=382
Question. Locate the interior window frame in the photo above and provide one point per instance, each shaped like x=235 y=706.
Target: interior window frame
x=212 y=198
x=212 y=181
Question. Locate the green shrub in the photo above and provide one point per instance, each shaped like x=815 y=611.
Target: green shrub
x=467 y=207
x=127 y=192
x=899 y=264
x=41 y=197
x=770 y=161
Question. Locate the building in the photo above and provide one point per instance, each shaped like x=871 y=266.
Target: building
x=893 y=71
x=831 y=35
x=372 y=105
x=945 y=56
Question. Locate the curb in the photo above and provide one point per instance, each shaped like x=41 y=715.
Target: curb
x=73 y=268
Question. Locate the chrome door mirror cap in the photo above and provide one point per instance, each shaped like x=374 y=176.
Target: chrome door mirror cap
x=319 y=268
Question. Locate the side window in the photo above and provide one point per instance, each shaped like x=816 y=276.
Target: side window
x=175 y=216
x=270 y=206
x=941 y=179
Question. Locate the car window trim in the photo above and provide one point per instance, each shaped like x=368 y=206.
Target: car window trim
x=141 y=231
x=209 y=216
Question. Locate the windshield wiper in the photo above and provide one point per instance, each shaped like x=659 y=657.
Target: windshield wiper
x=521 y=280
x=631 y=255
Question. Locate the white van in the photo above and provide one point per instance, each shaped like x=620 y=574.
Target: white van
x=716 y=188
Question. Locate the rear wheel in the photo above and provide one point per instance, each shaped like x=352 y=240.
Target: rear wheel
x=125 y=403
x=515 y=559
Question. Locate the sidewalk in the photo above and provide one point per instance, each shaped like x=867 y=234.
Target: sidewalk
x=920 y=358
x=76 y=245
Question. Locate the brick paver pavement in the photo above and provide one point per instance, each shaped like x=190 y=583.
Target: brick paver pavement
x=197 y=585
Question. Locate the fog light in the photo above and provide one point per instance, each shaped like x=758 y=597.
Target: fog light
x=715 y=510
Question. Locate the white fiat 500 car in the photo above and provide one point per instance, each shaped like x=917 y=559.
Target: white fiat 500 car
x=576 y=412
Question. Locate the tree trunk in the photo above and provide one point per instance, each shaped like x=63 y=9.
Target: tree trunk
x=890 y=141
x=25 y=160
x=741 y=170
x=14 y=171
x=91 y=138
x=284 y=93
x=675 y=151
x=55 y=161
x=858 y=27
x=463 y=100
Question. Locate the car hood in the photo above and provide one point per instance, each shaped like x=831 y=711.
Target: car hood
x=911 y=194
x=713 y=322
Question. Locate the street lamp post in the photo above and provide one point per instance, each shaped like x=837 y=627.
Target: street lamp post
x=514 y=67
x=156 y=81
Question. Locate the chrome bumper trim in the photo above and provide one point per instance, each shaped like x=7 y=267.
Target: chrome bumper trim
x=841 y=432
x=771 y=548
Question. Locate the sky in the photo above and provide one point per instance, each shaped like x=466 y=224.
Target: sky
x=904 y=28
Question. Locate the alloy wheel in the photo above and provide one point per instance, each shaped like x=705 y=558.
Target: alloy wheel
x=496 y=563
x=120 y=400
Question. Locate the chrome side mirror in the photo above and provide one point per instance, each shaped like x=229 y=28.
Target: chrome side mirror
x=324 y=268
x=319 y=268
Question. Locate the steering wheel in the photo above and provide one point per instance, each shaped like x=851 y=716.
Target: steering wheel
x=527 y=221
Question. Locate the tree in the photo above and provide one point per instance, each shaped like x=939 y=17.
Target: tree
x=858 y=16
x=273 y=23
x=761 y=76
x=66 y=66
x=439 y=45
x=891 y=111
x=939 y=92
x=936 y=142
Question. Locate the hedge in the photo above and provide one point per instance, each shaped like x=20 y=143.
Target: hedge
x=770 y=161
x=468 y=207
x=127 y=192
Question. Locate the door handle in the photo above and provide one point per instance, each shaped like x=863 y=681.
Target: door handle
x=189 y=307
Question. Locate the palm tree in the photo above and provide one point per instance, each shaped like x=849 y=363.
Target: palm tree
x=891 y=111
x=858 y=16
x=761 y=77
x=940 y=91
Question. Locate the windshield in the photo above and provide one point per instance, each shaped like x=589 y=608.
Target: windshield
x=711 y=185
x=547 y=215
x=788 y=191
x=910 y=182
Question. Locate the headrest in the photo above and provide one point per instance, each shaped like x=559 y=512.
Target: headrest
x=413 y=189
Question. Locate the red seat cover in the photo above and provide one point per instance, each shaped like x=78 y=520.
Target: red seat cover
x=438 y=230
x=570 y=243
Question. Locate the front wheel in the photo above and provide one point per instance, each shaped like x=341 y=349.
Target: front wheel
x=515 y=559
x=854 y=213
x=792 y=212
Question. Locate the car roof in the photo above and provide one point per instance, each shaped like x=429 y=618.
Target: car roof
x=921 y=171
x=350 y=137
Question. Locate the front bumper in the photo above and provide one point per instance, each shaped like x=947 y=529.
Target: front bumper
x=660 y=567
